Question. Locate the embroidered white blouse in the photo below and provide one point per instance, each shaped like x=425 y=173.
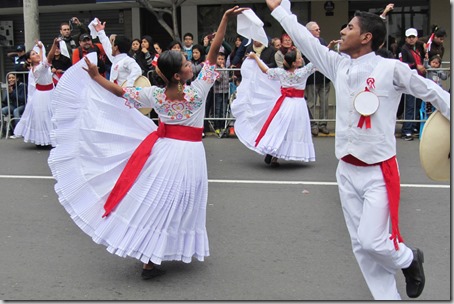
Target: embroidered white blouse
x=187 y=112
x=288 y=79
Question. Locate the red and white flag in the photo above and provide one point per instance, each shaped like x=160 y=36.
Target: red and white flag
x=429 y=42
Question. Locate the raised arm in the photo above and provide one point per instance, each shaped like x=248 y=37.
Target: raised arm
x=388 y=8
x=325 y=60
x=262 y=66
x=105 y=41
x=220 y=33
x=51 y=54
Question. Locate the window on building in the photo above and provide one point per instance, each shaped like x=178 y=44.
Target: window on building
x=404 y=15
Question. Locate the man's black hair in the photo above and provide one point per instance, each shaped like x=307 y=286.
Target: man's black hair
x=123 y=43
x=189 y=34
x=372 y=23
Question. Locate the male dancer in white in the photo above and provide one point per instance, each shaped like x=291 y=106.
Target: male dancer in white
x=124 y=68
x=367 y=173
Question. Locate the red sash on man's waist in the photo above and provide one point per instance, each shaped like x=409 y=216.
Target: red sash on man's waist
x=285 y=92
x=140 y=156
x=44 y=87
x=392 y=183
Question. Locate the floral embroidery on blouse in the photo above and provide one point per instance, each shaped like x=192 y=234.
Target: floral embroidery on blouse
x=208 y=72
x=175 y=109
x=132 y=96
x=289 y=77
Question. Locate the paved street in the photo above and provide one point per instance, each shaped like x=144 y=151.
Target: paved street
x=275 y=234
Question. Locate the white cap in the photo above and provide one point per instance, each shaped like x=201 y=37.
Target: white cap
x=411 y=32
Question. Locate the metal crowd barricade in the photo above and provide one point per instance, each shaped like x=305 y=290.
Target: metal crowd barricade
x=8 y=121
x=320 y=112
x=317 y=96
x=419 y=115
x=426 y=108
x=223 y=113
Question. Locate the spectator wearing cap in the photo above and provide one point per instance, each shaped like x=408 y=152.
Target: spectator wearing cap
x=87 y=46
x=70 y=42
x=412 y=53
x=436 y=47
x=19 y=59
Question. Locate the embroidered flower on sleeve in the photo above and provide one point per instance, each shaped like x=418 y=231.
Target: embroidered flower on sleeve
x=208 y=72
x=131 y=96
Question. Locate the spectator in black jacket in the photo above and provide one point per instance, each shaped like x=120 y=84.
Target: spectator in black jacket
x=436 y=47
x=71 y=42
x=19 y=59
x=412 y=53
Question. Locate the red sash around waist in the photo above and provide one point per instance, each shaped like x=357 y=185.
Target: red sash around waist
x=285 y=92
x=44 y=87
x=140 y=156
x=392 y=182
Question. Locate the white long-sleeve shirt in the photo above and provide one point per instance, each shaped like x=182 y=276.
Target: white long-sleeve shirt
x=124 y=68
x=349 y=76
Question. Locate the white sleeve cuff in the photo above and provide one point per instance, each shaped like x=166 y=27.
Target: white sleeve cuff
x=279 y=13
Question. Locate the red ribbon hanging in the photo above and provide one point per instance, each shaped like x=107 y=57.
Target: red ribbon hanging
x=366 y=119
x=392 y=182
x=140 y=155
x=285 y=92
x=391 y=177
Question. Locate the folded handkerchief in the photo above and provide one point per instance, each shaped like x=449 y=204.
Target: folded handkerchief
x=64 y=49
x=250 y=26
x=36 y=49
x=91 y=27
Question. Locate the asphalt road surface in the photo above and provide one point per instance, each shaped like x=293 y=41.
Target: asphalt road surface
x=275 y=234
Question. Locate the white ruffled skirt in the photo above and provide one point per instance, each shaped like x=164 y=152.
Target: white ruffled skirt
x=35 y=124
x=163 y=215
x=289 y=135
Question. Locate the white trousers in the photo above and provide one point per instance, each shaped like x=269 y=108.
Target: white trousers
x=364 y=202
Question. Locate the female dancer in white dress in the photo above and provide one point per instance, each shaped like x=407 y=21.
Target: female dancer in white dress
x=138 y=189
x=35 y=124
x=271 y=112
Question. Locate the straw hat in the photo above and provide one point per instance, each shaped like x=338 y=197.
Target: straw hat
x=141 y=82
x=435 y=147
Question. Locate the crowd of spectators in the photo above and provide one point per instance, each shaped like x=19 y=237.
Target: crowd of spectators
x=76 y=41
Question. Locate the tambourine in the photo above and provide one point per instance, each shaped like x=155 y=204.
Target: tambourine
x=435 y=147
x=141 y=82
x=366 y=103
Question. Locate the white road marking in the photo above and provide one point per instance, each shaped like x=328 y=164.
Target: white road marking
x=231 y=181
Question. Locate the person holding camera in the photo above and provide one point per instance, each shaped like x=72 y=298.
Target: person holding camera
x=70 y=42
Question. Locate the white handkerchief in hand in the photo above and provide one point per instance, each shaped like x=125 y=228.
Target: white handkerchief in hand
x=37 y=49
x=91 y=27
x=64 y=49
x=250 y=26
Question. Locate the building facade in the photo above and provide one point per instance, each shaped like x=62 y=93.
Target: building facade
x=200 y=17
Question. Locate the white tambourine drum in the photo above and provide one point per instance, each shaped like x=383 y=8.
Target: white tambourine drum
x=366 y=103
x=435 y=147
